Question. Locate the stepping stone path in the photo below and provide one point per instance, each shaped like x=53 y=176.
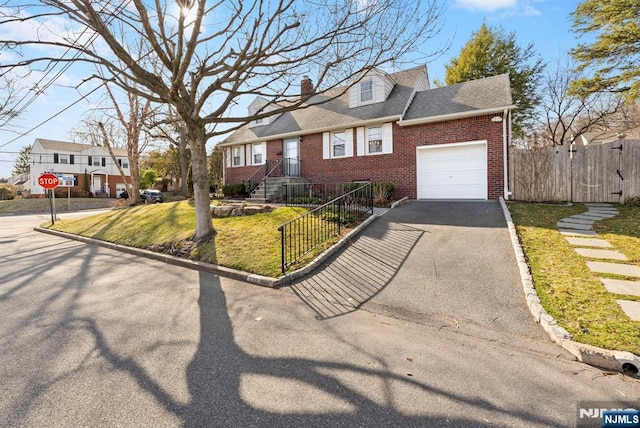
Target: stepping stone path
x=578 y=230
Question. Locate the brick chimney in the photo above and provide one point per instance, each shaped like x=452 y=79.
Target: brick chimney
x=306 y=87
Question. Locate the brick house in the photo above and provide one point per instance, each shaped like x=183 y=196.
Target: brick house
x=440 y=143
x=77 y=162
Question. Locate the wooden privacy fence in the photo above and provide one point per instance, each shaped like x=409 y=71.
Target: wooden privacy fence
x=608 y=172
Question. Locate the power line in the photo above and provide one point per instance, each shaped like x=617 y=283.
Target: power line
x=52 y=117
x=90 y=41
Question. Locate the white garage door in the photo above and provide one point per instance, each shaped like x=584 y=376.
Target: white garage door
x=452 y=171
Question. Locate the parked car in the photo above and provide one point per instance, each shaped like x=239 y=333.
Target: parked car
x=151 y=196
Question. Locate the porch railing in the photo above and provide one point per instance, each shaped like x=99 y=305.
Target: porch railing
x=272 y=168
x=302 y=235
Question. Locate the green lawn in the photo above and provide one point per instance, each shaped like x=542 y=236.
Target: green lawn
x=17 y=206
x=569 y=291
x=248 y=243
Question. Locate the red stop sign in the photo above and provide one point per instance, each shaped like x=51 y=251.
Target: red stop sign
x=48 y=181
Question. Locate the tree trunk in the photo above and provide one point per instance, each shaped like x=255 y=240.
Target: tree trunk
x=184 y=162
x=204 y=226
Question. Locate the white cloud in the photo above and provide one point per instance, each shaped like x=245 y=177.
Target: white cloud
x=507 y=7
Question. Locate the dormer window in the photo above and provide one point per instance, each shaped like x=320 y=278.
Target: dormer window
x=372 y=87
x=366 y=91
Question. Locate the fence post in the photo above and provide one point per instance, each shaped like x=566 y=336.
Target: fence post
x=281 y=229
x=339 y=216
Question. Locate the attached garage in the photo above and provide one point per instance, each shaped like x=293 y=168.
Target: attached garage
x=452 y=171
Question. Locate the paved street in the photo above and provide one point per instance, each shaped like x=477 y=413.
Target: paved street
x=94 y=337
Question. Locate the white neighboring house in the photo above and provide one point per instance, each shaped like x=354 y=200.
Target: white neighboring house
x=78 y=161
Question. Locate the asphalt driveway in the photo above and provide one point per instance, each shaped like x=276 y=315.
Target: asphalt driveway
x=449 y=263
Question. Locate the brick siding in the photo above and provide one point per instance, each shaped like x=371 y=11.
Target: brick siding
x=398 y=167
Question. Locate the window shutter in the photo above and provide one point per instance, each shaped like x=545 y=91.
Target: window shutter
x=348 y=142
x=360 y=141
x=55 y=158
x=264 y=152
x=75 y=181
x=242 y=155
x=72 y=159
x=104 y=161
x=89 y=161
x=326 y=146
x=387 y=138
x=228 y=154
x=248 y=149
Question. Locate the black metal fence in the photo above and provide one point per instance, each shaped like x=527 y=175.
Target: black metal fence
x=302 y=235
x=316 y=194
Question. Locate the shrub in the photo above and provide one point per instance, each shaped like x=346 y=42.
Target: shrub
x=63 y=192
x=634 y=202
x=382 y=192
x=6 y=193
x=234 y=190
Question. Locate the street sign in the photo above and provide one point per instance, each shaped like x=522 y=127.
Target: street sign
x=48 y=181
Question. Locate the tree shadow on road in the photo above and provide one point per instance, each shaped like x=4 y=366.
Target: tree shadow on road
x=226 y=385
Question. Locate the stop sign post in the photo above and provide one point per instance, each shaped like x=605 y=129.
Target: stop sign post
x=50 y=182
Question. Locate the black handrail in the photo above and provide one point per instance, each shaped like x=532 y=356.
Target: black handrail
x=303 y=234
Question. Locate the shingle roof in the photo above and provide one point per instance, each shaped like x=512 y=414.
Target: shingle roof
x=61 y=145
x=335 y=113
x=476 y=95
x=72 y=147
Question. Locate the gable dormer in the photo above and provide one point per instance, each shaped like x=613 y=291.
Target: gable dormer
x=371 y=88
x=261 y=106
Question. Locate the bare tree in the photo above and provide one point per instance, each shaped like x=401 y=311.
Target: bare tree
x=140 y=110
x=565 y=115
x=8 y=97
x=213 y=54
x=170 y=128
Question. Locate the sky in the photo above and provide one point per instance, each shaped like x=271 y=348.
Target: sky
x=544 y=23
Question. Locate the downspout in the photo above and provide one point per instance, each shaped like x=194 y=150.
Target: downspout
x=505 y=166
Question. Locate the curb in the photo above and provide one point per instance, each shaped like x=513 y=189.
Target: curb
x=621 y=361
x=264 y=281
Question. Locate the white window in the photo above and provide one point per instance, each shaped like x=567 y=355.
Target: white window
x=258 y=155
x=366 y=91
x=237 y=156
x=124 y=162
x=337 y=144
x=374 y=139
x=62 y=158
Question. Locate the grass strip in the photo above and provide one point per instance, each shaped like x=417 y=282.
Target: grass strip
x=568 y=290
x=249 y=243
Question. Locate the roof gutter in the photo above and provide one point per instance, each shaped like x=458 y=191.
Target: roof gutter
x=505 y=163
x=454 y=116
x=302 y=132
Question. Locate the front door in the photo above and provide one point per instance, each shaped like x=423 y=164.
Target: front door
x=97 y=184
x=292 y=157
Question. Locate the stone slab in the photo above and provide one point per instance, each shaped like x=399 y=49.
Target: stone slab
x=563 y=225
x=614 y=268
x=597 y=204
x=589 y=242
x=600 y=254
x=575 y=232
x=586 y=216
x=620 y=286
x=604 y=214
x=632 y=309
x=577 y=220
